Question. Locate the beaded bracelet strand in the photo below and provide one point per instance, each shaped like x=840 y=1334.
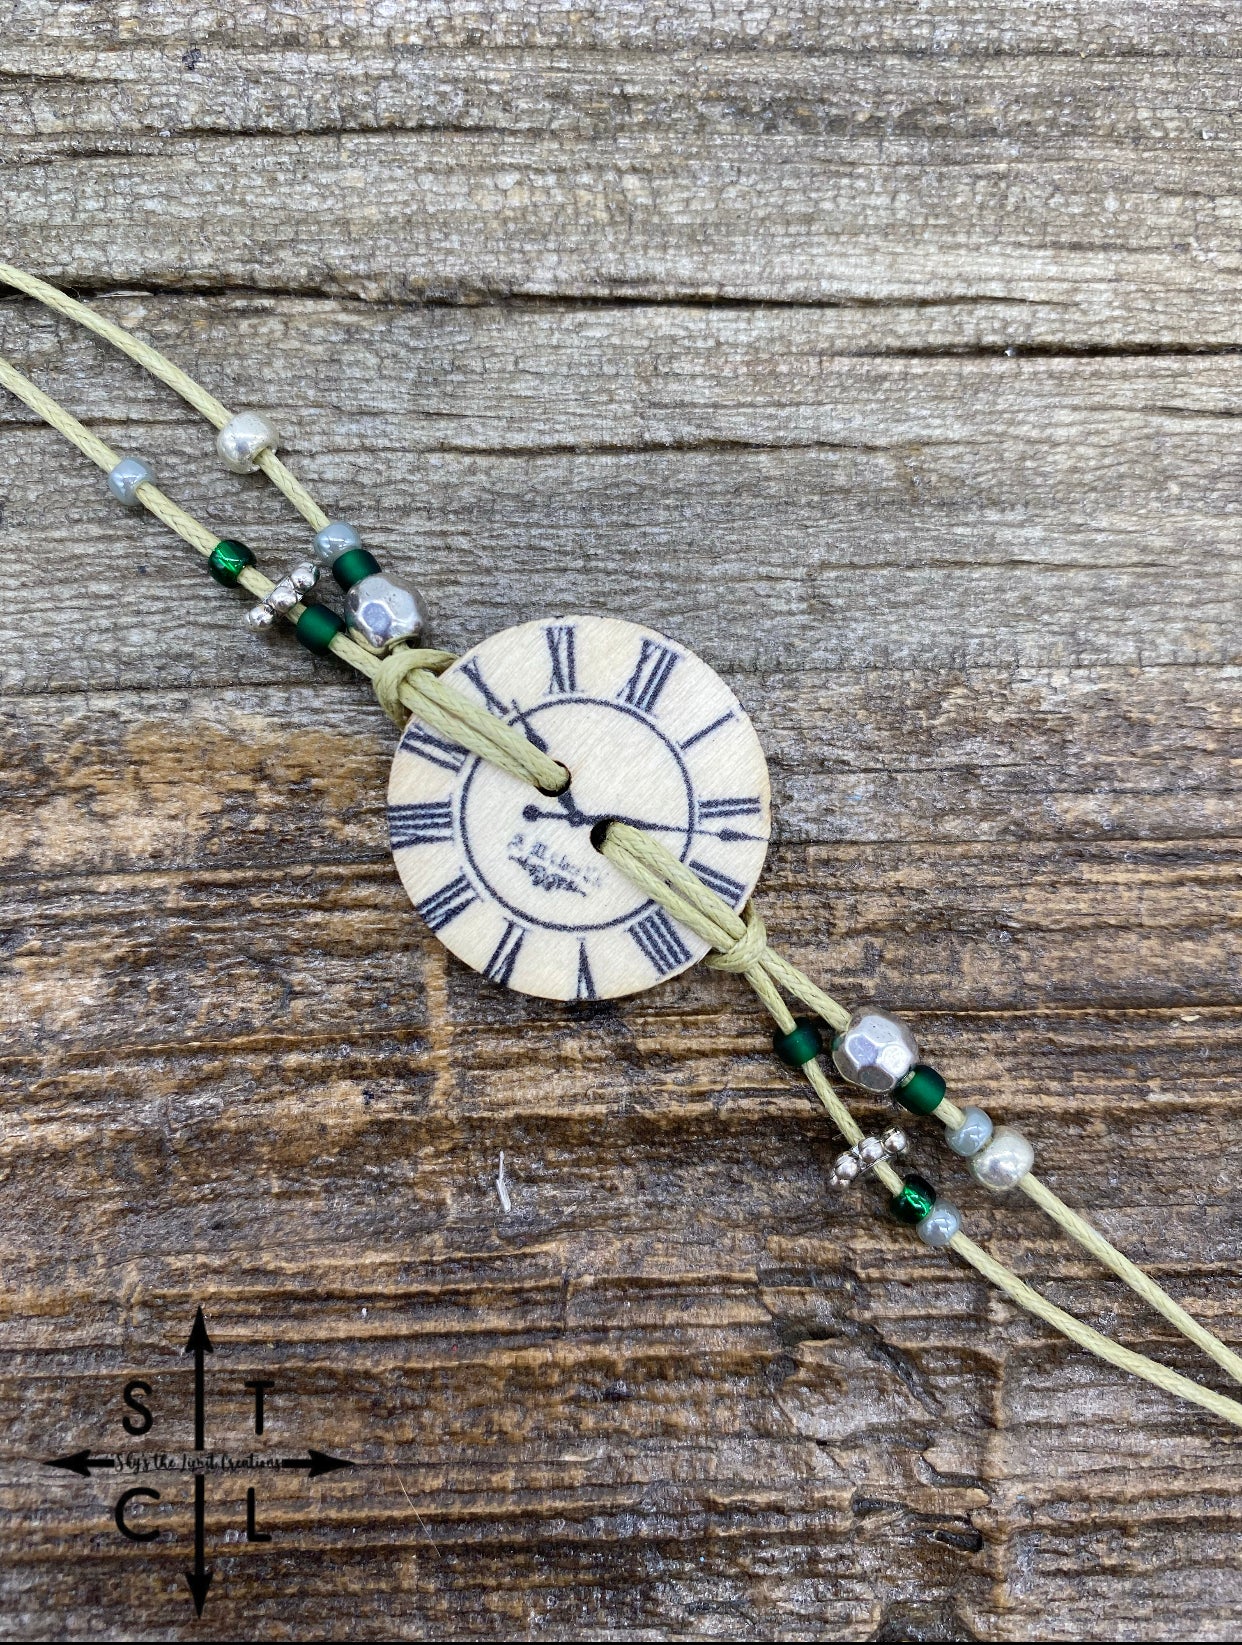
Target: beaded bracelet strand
x=870 y=1049
x=865 y=1043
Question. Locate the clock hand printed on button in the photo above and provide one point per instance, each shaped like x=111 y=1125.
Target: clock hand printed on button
x=570 y=813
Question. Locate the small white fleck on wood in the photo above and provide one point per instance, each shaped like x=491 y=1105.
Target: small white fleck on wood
x=502 y=1187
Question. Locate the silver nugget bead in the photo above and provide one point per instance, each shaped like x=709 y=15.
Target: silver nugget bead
x=383 y=609
x=1004 y=1161
x=895 y=1140
x=126 y=477
x=243 y=439
x=970 y=1136
x=870 y=1152
x=940 y=1224
x=336 y=538
x=260 y=617
x=874 y=1051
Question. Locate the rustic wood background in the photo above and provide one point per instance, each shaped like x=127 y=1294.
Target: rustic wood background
x=888 y=356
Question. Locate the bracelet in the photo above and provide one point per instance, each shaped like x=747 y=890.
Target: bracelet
x=869 y=1049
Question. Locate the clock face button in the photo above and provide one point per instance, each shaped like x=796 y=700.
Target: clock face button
x=508 y=878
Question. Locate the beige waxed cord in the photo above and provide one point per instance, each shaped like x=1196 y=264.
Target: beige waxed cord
x=404 y=673
x=407 y=680
x=159 y=365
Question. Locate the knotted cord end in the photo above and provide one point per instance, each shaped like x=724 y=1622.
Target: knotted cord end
x=749 y=948
x=395 y=669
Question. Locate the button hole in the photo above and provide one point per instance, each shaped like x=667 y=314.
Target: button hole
x=560 y=787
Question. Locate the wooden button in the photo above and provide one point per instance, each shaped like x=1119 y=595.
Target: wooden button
x=508 y=878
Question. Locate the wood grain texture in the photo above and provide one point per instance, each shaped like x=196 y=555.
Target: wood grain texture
x=887 y=358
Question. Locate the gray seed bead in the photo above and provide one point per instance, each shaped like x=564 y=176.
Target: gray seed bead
x=126 y=477
x=337 y=537
x=874 y=1051
x=383 y=609
x=940 y=1224
x=243 y=440
x=1004 y=1161
x=972 y=1134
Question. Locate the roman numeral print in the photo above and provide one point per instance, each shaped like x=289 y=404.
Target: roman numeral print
x=708 y=729
x=651 y=674
x=657 y=936
x=474 y=674
x=424 y=823
x=438 y=750
x=504 y=956
x=716 y=810
x=730 y=889
x=447 y=903
x=564 y=670
x=586 y=982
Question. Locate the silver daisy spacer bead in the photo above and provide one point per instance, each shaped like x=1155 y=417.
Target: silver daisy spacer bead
x=870 y=1152
x=304 y=576
x=845 y=1167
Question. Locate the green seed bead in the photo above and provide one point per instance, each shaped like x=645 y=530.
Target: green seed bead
x=352 y=566
x=317 y=627
x=228 y=560
x=922 y=1090
x=916 y=1200
x=801 y=1045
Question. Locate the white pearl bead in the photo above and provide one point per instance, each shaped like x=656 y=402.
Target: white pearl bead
x=1004 y=1160
x=242 y=440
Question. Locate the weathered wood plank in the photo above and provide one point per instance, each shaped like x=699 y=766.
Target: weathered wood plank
x=223 y=777
x=877 y=512
x=983 y=608
x=462 y=217
x=960 y=163
x=980 y=926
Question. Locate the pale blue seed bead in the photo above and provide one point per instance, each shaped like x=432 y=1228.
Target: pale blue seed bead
x=940 y=1224
x=337 y=537
x=126 y=477
x=974 y=1133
